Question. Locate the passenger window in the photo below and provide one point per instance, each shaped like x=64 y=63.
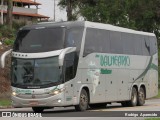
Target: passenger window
x=145 y=46
x=116 y=42
x=153 y=45
x=96 y=40
x=128 y=43
x=74 y=38
x=69 y=66
x=69 y=70
x=138 y=44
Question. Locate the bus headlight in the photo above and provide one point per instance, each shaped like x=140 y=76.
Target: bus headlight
x=14 y=93
x=56 y=91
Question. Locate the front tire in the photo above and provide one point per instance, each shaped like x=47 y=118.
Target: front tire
x=134 y=98
x=83 y=102
x=141 y=97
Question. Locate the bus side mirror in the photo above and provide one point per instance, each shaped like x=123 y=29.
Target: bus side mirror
x=62 y=54
x=3 y=57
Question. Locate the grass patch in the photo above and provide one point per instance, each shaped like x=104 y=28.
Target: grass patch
x=152 y=119
x=5 y=102
x=158 y=96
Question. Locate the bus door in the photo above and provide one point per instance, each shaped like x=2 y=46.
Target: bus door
x=69 y=72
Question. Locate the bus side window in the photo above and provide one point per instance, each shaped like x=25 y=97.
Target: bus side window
x=153 y=45
x=116 y=42
x=96 y=41
x=128 y=43
x=137 y=44
x=145 y=46
x=69 y=68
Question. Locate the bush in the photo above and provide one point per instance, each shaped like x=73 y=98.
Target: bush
x=0 y=35
x=9 y=42
x=17 y=25
x=6 y=32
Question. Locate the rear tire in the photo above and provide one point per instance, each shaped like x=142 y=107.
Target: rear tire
x=134 y=98
x=83 y=102
x=38 y=109
x=141 y=97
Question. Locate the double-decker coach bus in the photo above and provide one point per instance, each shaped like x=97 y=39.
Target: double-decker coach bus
x=82 y=64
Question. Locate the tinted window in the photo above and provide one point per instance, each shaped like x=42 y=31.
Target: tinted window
x=137 y=44
x=96 y=41
x=153 y=45
x=128 y=43
x=116 y=42
x=39 y=40
x=35 y=72
x=145 y=46
x=69 y=66
x=74 y=38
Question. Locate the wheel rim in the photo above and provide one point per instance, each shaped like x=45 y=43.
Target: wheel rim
x=134 y=97
x=83 y=100
x=141 y=96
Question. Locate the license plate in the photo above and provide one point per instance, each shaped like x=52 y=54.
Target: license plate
x=33 y=103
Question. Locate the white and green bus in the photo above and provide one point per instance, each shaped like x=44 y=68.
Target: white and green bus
x=82 y=64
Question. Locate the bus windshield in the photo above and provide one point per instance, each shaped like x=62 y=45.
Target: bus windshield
x=35 y=72
x=39 y=40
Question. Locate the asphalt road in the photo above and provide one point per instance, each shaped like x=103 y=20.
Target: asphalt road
x=114 y=111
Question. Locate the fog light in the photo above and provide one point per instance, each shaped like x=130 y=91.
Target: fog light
x=59 y=100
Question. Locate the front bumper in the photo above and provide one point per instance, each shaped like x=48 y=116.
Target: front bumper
x=53 y=101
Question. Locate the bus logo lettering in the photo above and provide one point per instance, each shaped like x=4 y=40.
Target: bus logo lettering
x=106 y=60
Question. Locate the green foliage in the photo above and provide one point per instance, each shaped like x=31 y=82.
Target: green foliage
x=0 y=35
x=8 y=35
x=17 y=25
x=9 y=41
x=152 y=119
x=6 y=32
x=143 y=15
x=5 y=102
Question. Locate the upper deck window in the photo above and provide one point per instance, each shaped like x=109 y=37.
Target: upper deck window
x=39 y=40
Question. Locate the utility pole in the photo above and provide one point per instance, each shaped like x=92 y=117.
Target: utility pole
x=2 y=12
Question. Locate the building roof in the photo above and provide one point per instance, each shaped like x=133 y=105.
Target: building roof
x=28 y=14
x=27 y=2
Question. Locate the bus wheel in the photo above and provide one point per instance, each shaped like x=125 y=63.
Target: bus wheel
x=38 y=109
x=83 y=102
x=134 y=97
x=141 y=97
x=98 y=105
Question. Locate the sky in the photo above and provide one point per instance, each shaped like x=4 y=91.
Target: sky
x=47 y=9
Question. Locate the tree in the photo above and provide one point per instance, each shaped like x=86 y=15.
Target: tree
x=9 y=13
x=71 y=8
x=143 y=15
x=2 y=1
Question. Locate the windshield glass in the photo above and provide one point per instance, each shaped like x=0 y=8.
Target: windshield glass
x=37 y=72
x=39 y=40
